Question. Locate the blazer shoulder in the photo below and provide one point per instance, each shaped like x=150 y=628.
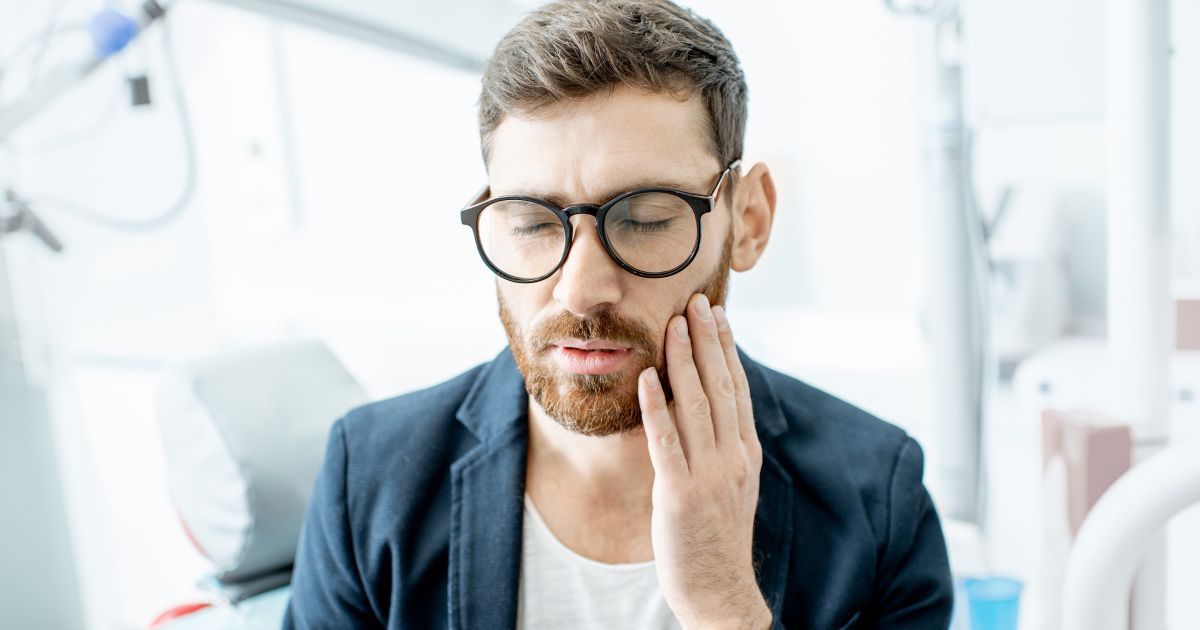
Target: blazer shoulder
x=404 y=420
x=817 y=414
x=835 y=450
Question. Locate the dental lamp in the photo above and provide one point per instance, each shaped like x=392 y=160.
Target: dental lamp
x=111 y=31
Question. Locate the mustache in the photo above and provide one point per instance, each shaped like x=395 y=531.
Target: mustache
x=605 y=325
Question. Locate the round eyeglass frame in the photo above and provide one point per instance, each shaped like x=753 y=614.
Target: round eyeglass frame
x=700 y=205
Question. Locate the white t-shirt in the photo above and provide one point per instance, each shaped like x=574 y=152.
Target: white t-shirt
x=559 y=588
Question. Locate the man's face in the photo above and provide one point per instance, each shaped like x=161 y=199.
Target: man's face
x=588 y=151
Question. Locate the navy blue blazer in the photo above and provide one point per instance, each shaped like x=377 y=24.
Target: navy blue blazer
x=415 y=518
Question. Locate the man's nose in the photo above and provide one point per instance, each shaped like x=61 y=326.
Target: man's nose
x=589 y=280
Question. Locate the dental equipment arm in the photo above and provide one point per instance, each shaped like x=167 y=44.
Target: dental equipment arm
x=15 y=215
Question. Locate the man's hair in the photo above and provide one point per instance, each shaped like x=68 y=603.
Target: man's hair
x=577 y=48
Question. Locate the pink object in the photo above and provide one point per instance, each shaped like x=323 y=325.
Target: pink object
x=1096 y=451
x=1187 y=323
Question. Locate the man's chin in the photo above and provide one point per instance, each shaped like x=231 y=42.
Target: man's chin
x=571 y=383
x=591 y=404
x=598 y=430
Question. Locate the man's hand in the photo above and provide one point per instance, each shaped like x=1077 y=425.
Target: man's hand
x=706 y=458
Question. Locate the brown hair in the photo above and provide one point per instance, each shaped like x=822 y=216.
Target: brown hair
x=576 y=48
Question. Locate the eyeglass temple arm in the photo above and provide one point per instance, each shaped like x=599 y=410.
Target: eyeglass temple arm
x=733 y=166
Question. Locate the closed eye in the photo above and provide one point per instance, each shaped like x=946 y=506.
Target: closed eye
x=646 y=226
x=530 y=230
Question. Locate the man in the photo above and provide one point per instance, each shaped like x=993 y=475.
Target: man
x=622 y=464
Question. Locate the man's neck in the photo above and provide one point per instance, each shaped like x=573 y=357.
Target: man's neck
x=611 y=469
x=594 y=493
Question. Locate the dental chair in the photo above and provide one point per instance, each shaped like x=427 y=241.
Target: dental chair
x=244 y=435
x=1117 y=534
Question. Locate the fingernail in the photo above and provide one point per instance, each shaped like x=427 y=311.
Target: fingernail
x=719 y=316
x=702 y=307
x=681 y=328
x=651 y=377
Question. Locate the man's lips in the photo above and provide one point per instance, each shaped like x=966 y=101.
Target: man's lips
x=590 y=357
x=597 y=344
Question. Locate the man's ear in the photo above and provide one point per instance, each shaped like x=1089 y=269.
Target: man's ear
x=753 y=213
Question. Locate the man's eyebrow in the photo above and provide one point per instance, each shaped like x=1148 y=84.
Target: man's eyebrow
x=561 y=201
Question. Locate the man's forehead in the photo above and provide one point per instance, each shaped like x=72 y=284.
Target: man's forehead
x=589 y=145
x=600 y=181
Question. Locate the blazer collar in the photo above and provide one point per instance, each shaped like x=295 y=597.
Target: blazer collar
x=768 y=414
x=497 y=400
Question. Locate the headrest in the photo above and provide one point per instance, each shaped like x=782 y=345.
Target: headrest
x=244 y=436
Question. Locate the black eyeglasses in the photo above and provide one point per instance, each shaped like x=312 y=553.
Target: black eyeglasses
x=649 y=232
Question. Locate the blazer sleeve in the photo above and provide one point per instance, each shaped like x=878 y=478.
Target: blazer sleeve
x=915 y=589
x=327 y=587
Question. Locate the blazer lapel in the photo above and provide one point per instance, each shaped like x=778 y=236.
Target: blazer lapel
x=773 y=534
x=773 y=519
x=486 y=502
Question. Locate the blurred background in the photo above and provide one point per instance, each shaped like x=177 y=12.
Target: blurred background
x=988 y=233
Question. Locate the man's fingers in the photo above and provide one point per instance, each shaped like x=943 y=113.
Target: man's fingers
x=692 y=411
x=662 y=438
x=741 y=386
x=713 y=367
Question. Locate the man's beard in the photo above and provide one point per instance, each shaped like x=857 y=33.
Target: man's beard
x=598 y=404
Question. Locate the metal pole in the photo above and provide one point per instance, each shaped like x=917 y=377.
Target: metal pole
x=1139 y=341
x=39 y=586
